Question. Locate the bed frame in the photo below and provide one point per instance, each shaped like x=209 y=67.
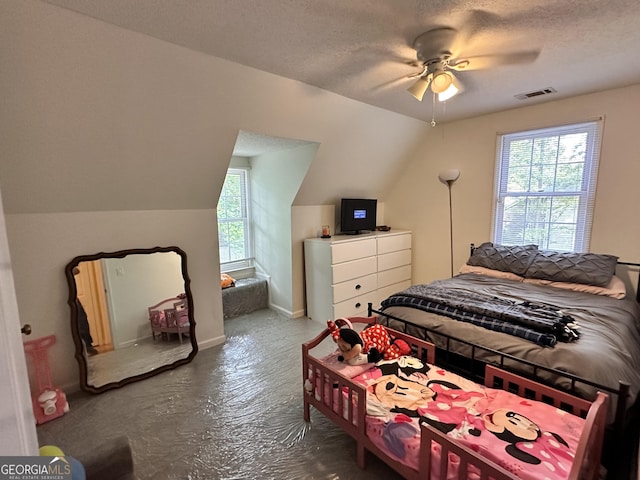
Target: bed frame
x=319 y=377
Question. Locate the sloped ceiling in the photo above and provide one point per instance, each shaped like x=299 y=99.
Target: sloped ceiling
x=251 y=144
x=363 y=49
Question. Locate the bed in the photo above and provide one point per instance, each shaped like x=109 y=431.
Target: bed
x=579 y=288
x=452 y=427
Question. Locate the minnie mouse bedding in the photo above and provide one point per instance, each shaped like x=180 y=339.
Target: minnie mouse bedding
x=530 y=439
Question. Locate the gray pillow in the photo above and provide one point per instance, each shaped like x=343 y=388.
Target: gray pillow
x=571 y=267
x=515 y=259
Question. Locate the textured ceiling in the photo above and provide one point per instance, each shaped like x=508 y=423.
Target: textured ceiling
x=362 y=49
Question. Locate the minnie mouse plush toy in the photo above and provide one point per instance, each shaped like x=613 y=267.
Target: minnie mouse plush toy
x=369 y=346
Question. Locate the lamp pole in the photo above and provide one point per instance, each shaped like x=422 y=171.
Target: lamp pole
x=449 y=177
x=449 y=183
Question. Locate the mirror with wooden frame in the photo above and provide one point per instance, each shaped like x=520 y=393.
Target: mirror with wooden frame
x=131 y=315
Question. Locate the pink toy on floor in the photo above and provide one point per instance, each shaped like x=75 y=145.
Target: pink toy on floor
x=48 y=401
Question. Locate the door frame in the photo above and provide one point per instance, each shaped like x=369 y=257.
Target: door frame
x=17 y=422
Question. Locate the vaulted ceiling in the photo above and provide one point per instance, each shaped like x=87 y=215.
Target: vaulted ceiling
x=363 y=49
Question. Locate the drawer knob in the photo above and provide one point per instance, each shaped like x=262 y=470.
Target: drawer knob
x=358 y=287
x=358 y=305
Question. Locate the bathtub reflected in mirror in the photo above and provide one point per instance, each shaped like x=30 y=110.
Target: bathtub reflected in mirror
x=131 y=315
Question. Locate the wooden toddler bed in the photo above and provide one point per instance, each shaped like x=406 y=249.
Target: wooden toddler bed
x=428 y=423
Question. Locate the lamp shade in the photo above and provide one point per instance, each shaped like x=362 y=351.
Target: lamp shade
x=453 y=89
x=419 y=88
x=449 y=175
x=448 y=93
x=441 y=81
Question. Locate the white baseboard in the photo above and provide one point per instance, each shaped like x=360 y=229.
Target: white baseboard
x=212 y=342
x=288 y=313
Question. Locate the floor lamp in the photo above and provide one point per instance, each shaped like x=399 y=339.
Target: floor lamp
x=448 y=177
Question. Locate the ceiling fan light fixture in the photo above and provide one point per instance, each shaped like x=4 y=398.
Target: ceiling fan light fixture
x=451 y=91
x=441 y=82
x=419 y=88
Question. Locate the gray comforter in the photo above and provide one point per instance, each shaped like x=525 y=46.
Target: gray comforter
x=608 y=350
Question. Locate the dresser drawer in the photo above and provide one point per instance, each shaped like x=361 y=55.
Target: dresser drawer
x=355 y=287
x=393 y=243
x=394 y=275
x=357 y=268
x=389 y=290
x=391 y=260
x=346 y=251
x=356 y=306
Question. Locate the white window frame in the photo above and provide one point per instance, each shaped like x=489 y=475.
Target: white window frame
x=248 y=261
x=585 y=194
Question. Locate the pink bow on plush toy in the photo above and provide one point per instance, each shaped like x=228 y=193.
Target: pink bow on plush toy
x=369 y=346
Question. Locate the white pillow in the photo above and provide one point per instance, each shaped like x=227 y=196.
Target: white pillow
x=466 y=268
x=615 y=288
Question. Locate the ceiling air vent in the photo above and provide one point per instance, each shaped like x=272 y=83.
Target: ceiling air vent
x=537 y=93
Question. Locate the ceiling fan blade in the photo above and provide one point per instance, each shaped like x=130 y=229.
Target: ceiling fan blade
x=393 y=83
x=482 y=62
x=421 y=73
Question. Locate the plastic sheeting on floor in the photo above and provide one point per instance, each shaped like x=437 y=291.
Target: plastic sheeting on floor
x=235 y=412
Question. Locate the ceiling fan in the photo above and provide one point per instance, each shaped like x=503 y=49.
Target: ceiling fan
x=437 y=56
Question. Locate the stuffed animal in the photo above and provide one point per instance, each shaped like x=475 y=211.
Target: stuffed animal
x=226 y=281
x=369 y=346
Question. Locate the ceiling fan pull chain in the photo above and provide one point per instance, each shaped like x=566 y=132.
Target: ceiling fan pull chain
x=433 y=110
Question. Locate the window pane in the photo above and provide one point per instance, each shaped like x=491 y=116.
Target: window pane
x=519 y=179
x=515 y=208
x=565 y=209
x=513 y=233
x=545 y=150
x=542 y=178
x=569 y=177
x=520 y=153
x=573 y=148
x=537 y=233
x=538 y=209
x=562 y=237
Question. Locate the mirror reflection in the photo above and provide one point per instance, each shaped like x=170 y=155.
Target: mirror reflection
x=131 y=315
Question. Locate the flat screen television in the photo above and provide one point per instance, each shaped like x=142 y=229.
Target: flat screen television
x=357 y=215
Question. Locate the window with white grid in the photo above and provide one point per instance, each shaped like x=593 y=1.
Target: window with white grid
x=234 y=221
x=546 y=185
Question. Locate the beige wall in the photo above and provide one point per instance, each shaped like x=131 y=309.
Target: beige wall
x=306 y=222
x=275 y=180
x=418 y=201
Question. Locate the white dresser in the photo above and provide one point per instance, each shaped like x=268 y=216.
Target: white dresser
x=345 y=273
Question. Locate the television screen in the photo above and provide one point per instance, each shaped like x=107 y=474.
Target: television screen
x=358 y=215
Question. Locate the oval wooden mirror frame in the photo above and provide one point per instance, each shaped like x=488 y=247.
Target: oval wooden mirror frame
x=73 y=293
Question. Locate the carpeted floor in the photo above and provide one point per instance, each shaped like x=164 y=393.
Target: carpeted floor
x=235 y=412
